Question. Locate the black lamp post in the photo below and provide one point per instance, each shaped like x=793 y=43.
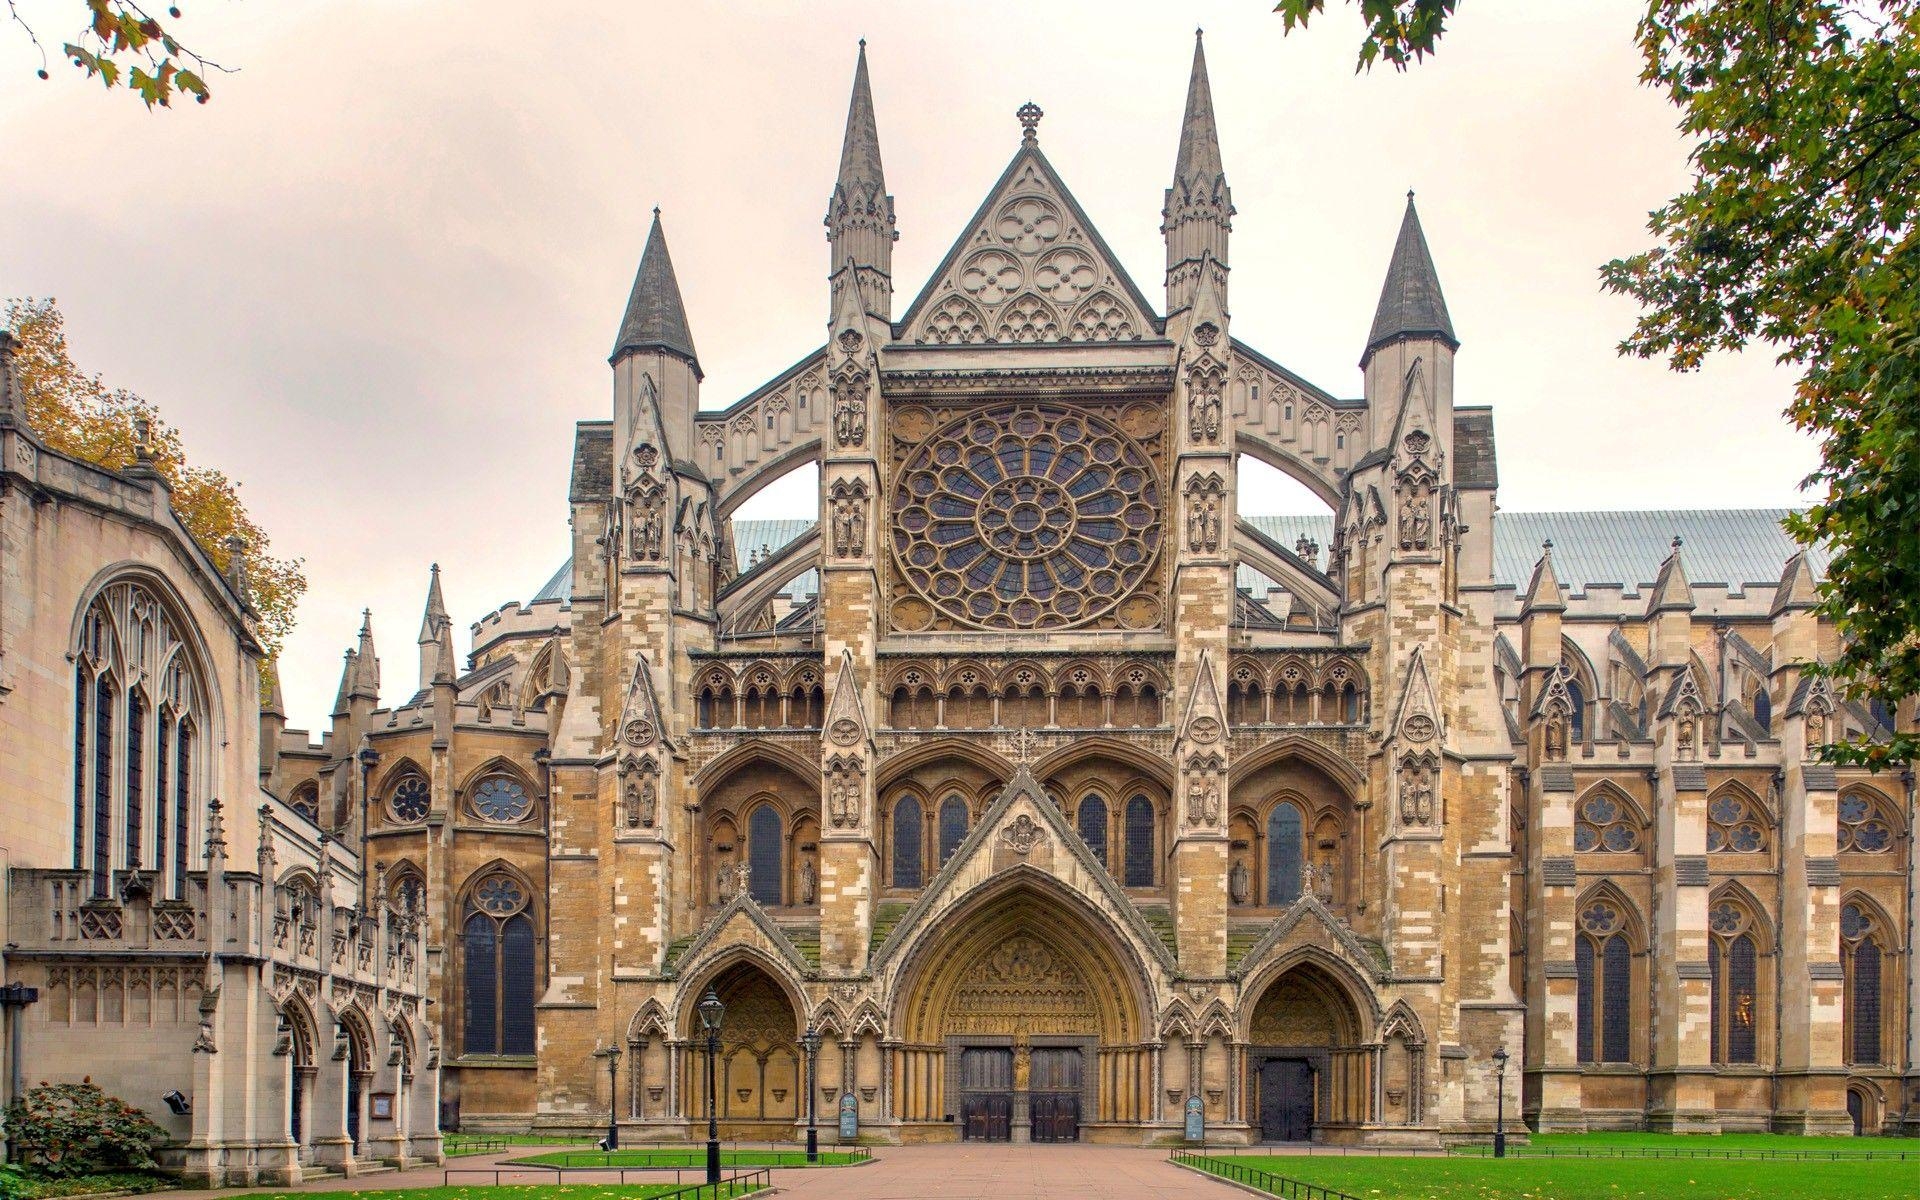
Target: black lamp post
x=810 y=1042
x=711 y=1011
x=612 y=1055
x=1500 y=1102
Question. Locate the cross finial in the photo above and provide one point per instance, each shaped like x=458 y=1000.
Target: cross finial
x=1030 y=114
x=1024 y=741
x=1676 y=541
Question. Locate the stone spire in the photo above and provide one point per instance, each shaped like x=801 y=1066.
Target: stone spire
x=435 y=625
x=860 y=225
x=656 y=319
x=1797 y=591
x=1671 y=590
x=349 y=675
x=1411 y=304
x=1543 y=590
x=1198 y=213
x=366 y=674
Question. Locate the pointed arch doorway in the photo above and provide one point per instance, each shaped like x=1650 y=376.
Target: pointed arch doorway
x=1020 y=1020
x=1306 y=1067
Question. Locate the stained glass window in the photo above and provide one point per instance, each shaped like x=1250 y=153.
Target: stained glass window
x=182 y=805
x=1864 y=828
x=953 y=826
x=1860 y=960
x=1026 y=517
x=410 y=799
x=765 y=847
x=1092 y=820
x=102 y=785
x=163 y=747
x=1139 y=866
x=1286 y=850
x=1605 y=826
x=1735 y=825
x=1732 y=964
x=906 y=842
x=136 y=768
x=1603 y=970
x=500 y=968
x=81 y=692
x=501 y=798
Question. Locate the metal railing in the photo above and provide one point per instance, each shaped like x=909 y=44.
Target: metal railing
x=1754 y=1153
x=784 y=1154
x=1257 y=1177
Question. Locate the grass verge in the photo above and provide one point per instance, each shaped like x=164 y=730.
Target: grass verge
x=696 y=1156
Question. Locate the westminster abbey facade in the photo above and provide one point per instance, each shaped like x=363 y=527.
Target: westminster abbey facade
x=1066 y=800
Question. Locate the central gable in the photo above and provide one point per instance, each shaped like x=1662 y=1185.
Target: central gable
x=1030 y=268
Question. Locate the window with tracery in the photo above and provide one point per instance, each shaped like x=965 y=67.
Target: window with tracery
x=1864 y=827
x=1605 y=826
x=306 y=801
x=409 y=799
x=766 y=847
x=501 y=799
x=138 y=710
x=1286 y=853
x=1860 y=962
x=953 y=826
x=1733 y=962
x=1024 y=516
x=499 y=969
x=1735 y=825
x=408 y=895
x=906 y=842
x=1091 y=820
x=1603 y=988
x=1139 y=848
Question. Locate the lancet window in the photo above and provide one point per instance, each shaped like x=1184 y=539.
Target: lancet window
x=499 y=969
x=1861 y=959
x=1603 y=995
x=1733 y=954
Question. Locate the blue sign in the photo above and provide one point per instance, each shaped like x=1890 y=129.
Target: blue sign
x=849 y=1117
x=1196 y=1120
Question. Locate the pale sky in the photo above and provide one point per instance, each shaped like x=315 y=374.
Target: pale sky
x=376 y=279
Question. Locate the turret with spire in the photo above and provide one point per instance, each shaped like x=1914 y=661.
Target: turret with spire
x=1411 y=329
x=654 y=364
x=860 y=225
x=1198 y=213
x=435 y=625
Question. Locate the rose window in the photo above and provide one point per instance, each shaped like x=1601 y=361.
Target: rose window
x=410 y=799
x=499 y=798
x=1026 y=517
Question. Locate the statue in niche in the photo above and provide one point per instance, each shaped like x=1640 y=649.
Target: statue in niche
x=649 y=532
x=807 y=882
x=850 y=409
x=1203 y=409
x=1323 y=881
x=1416 y=519
x=849 y=525
x=1556 y=737
x=1203 y=802
x=1816 y=729
x=1416 y=792
x=1239 y=882
x=1687 y=729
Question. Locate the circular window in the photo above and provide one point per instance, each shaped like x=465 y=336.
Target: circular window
x=1026 y=517
x=410 y=799
x=500 y=798
x=499 y=894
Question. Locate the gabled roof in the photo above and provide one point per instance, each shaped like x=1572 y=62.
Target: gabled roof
x=1029 y=172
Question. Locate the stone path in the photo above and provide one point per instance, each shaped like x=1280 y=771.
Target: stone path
x=966 y=1171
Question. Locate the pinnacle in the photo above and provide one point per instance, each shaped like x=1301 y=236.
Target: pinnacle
x=860 y=147
x=436 y=613
x=1199 y=154
x=656 y=318
x=1411 y=304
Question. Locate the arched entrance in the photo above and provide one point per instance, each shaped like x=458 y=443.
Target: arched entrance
x=1020 y=1020
x=1306 y=1069
x=758 y=1072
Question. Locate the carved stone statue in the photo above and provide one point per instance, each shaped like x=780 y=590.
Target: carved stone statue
x=1203 y=802
x=648 y=800
x=1556 y=737
x=1416 y=792
x=1239 y=882
x=1416 y=520
x=849 y=525
x=1203 y=407
x=807 y=884
x=1323 y=881
x=850 y=409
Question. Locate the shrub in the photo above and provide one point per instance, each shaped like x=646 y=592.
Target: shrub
x=65 y=1129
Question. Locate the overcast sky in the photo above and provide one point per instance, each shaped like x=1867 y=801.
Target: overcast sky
x=377 y=278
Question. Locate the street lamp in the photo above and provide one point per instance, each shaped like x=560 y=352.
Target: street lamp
x=1500 y=1102
x=810 y=1042
x=711 y=1011
x=612 y=1055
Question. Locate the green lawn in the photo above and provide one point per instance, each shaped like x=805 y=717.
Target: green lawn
x=1594 y=1179
x=571 y=1191
x=690 y=1156
x=1787 y=1142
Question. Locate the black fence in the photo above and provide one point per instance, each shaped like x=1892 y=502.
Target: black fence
x=1756 y=1153
x=737 y=1185
x=783 y=1154
x=521 y=1174
x=1250 y=1176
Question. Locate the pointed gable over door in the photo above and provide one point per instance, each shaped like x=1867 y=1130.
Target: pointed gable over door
x=1029 y=268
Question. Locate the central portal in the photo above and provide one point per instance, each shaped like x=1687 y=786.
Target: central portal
x=1008 y=1091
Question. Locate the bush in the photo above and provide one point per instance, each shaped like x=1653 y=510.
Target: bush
x=66 y=1129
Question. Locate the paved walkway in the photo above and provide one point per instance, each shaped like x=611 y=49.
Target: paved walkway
x=964 y=1171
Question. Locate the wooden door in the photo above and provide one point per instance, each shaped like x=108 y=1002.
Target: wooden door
x=1286 y=1100
x=1056 y=1116
x=986 y=1093
x=1054 y=1100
